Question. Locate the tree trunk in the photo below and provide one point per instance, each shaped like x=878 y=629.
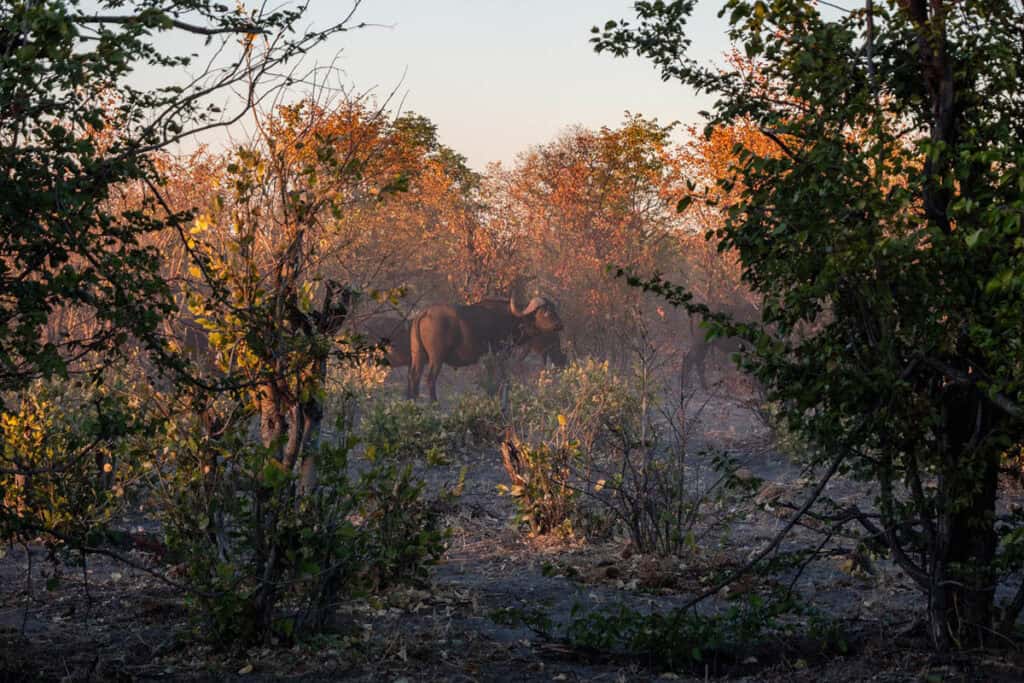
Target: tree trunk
x=312 y=426
x=962 y=607
x=963 y=594
x=272 y=418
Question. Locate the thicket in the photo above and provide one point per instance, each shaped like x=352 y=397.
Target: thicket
x=264 y=563
x=599 y=453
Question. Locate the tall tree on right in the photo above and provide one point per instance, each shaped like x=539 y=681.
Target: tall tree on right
x=890 y=215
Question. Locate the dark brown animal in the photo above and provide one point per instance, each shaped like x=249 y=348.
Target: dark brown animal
x=701 y=349
x=392 y=331
x=549 y=347
x=459 y=335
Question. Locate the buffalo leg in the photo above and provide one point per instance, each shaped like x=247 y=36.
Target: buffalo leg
x=433 y=370
x=417 y=358
x=415 y=370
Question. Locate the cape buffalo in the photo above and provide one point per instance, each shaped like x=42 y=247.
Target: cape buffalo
x=549 y=347
x=459 y=335
x=700 y=350
x=392 y=330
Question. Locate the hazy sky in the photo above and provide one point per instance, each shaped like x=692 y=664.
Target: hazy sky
x=498 y=76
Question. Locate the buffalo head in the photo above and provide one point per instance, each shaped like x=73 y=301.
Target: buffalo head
x=540 y=313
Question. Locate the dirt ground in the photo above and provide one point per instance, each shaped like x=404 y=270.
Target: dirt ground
x=109 y=622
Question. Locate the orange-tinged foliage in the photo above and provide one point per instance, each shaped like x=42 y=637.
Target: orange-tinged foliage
x=708 y=159
x=550 y=224
x=589 y=200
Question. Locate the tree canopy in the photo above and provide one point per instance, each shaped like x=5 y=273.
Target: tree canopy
x=883 y=231
x=75 y=128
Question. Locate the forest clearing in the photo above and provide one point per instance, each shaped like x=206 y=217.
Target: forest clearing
x=294 y=389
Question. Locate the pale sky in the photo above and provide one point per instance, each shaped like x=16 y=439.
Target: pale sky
x=498 y=76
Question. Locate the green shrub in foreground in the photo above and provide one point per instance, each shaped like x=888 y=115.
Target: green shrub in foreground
x=265 y=563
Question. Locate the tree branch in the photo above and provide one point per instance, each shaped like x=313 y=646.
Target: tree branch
x=167 y=22
x=999 y=400
x=774 y=542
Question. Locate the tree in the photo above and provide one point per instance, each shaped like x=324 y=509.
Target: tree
x=587 y=199
x=74 y=127
x=86 y=221
x=424 y=237
x=889 y=214
x=260 y=284
x=260 y=276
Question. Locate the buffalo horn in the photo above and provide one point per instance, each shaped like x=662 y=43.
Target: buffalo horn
x=535 y=303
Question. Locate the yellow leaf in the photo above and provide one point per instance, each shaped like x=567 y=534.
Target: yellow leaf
x=562 y=420
x=201 y=225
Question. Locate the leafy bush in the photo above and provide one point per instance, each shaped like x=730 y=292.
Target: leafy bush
x=421 y=432
x=475 y=420
x=585 y=403
x=678 y=638
x=566 y=428
x=405 y=430
x=540 y=476
x=402 y=532
x=263 y=562
x=351 y=385
x=592 y=452
x=71 y=452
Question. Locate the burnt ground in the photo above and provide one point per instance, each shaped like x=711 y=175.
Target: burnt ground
x=107 y=621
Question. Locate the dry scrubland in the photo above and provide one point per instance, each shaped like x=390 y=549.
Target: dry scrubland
x=208 y=470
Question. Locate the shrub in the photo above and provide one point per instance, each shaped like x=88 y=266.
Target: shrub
x=416 y=432
x=678 y=639
x=566 y=427
x=263 y=562
x=668 y=504
x=475 y=420
x=405 y=430
x=71 y=452
x=584 y=403
x=596 y=452
x=540 y=476
x=350 y=386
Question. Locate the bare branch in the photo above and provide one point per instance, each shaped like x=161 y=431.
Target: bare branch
x=764 y=552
